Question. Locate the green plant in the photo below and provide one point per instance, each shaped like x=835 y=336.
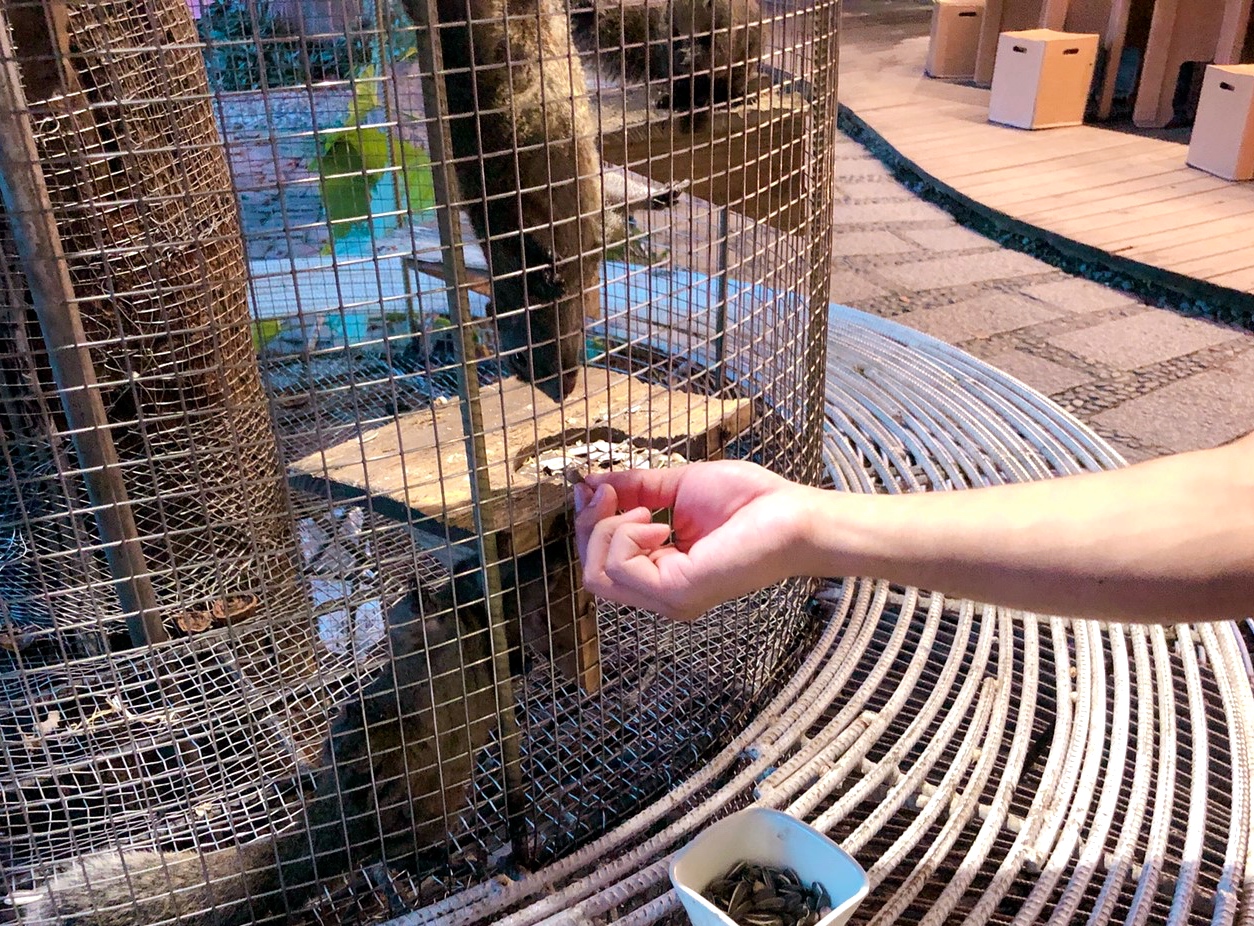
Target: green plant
x=357 y=156
x=361 y=158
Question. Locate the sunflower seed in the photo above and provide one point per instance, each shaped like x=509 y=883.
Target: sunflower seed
x=762 y=895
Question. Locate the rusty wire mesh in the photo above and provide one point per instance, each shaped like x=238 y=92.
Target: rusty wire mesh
x=307 y=340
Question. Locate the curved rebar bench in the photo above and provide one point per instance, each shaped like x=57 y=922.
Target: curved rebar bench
x=984 y=765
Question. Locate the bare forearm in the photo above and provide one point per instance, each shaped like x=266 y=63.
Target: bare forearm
x=1168 y=540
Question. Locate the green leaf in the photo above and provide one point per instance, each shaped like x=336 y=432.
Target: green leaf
x=345 y=190
x=365 y=96
x=372 y=142
x=264 y=332
x=419 y=180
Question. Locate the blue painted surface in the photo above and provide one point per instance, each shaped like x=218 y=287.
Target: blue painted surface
x=627 y=289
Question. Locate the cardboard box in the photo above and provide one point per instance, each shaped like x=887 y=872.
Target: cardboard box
x=955 y=38
x=1041 y=78
x=1222 y=142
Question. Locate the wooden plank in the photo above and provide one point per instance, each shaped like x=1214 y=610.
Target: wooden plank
x=419 y=461
x=1085 y=180
x=1219 y=254
x=1241 y=280
x=1176 y=220
x=1179 y=32
x=1129 y=204
x=1025 y=159
x=951 y=130
x=1197 y=238
x=1112 y=195
x=1062 y=173
x=999 y=147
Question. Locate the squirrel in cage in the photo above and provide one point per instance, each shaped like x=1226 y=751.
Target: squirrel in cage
x=396 y=769
x=524 y=139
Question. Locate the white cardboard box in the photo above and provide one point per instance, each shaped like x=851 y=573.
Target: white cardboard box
x=1041 y=78
x=1222 y=142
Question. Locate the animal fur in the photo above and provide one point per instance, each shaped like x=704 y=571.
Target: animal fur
x=701 y=52
x=720 y=50
x=379 y=796
x=525 y=142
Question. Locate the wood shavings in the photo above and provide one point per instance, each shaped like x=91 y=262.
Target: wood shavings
x=223 y=611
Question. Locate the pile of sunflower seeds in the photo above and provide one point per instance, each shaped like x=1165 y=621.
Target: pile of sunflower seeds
x=759 y=895
x=602 y=455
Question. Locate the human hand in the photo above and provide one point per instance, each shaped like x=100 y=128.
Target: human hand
x=735 y=526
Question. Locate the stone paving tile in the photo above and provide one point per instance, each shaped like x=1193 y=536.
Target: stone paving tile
x=856 y=243
x=862 y=190
x=1043 y=375
x=1147 y=380
x=1142 y=339
x=953 y=238
x=877 y=213
x=967 y=268
x=852 y=289
x=1077 y=295
x=980 y=317
x=1200 y=411
x=859 y=168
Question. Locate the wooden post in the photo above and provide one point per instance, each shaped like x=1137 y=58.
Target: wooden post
x=1232 y=31
x=1179 y=32
x=435 y=102
x=1054 y=15
x=26 y=201
x=1006 y=16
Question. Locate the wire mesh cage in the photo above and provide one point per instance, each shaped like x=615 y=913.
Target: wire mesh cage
x=309 y=307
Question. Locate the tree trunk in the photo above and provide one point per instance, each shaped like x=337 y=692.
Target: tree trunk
x=141 y=190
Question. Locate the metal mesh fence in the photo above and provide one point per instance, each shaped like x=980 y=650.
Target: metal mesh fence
x=308 y=305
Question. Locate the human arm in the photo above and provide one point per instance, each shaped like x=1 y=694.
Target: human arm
x=1166 y=540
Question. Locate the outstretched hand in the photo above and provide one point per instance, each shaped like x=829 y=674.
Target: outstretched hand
x=734 y=526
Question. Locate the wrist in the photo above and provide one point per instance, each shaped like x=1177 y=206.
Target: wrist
x=801 y=551
x=834 y=534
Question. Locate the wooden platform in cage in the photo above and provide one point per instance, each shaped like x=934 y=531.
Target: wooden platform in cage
x=419 y=461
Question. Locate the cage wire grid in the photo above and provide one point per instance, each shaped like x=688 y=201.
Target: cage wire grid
x=268 y=234
x=346 y=519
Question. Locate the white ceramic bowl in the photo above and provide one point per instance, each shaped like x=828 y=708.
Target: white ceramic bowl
x=765 y=837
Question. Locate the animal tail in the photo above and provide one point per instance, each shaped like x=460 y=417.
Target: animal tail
x=226 y=887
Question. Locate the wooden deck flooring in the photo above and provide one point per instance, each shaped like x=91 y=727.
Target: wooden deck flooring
x=1130 y=196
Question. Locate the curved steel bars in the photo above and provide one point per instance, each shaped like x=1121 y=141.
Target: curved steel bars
x=985 y=765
